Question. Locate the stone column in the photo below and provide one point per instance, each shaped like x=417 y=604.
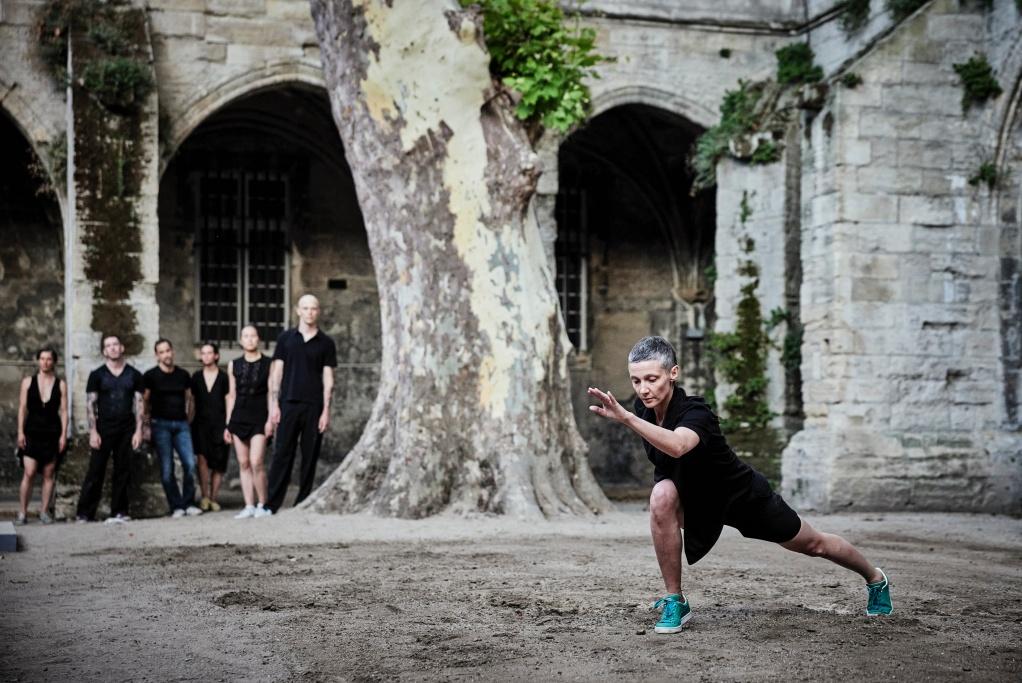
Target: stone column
x=112 y=248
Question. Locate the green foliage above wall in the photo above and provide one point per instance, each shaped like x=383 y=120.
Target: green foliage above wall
x=795 y=65
x=534 y=51
x=737 y=117
x=854 y=16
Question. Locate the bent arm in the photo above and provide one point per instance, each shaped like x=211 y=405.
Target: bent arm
x=674 y=443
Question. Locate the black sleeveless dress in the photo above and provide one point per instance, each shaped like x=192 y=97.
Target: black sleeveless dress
x=251 y=384
x=42 y=424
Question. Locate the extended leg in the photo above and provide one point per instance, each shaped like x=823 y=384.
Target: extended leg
x=809 y=541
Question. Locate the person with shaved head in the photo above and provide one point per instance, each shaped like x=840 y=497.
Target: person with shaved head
x=301 y=383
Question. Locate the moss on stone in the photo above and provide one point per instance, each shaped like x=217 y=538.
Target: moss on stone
x=112 y=79
x=978 y=81
x=851 y=80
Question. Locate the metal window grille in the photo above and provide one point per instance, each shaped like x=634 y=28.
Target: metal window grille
x=571 y=254
x=242 y=254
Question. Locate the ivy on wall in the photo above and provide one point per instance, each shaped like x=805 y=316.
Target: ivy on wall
x=111 y=79
x=753 y=117
x=978 y=81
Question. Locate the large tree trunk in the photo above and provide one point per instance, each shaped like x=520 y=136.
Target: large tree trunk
x=473 y=411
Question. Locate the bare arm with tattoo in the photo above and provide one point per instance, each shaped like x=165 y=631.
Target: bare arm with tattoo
x=140 y=417
x=92 y=412
x=276 y=375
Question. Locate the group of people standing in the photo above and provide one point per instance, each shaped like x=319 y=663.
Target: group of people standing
x=198 y=416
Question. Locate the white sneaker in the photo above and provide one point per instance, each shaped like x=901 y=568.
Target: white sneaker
x=262 y=512
x=249 y=511
x=118 y=519
x=178 y=514
x=193 y=511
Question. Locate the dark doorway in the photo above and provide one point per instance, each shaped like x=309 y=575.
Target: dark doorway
x=31 y=277
x=634 y=257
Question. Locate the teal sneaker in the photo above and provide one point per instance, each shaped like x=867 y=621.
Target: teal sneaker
x=674 y=615
x=879 y=597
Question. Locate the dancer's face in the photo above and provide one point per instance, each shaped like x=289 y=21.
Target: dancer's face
x=249 y=339
x=652 y=384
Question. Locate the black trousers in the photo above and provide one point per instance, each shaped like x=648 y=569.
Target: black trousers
x=118 y=444
x=298 y=422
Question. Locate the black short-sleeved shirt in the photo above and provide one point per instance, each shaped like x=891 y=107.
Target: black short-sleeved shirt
x=709 y=477
x=210 y=404
x=303 y=365
x=167 y=393
x=116 y=404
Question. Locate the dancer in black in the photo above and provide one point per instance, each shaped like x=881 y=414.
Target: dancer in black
x=209 y=427
x=248 y=422
x=114 y=409
x=42 y=431
x=699 y=485
x=301 y=384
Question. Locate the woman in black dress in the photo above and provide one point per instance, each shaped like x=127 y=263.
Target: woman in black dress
x=248 y=421
x=42 y=431
x=211 y=444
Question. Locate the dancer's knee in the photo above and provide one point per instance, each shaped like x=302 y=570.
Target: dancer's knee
x=663 y=503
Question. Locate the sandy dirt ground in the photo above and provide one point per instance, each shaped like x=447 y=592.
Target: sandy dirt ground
x=316 y=597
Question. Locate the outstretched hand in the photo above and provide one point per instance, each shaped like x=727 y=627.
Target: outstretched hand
x=610 y=409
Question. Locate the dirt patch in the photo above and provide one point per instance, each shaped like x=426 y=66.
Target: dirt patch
x=495 y=599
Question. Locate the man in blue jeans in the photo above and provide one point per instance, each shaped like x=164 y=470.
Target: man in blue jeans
x=168 y=406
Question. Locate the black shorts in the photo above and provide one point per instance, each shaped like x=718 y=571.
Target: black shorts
x=766 y=517
x=758 y=512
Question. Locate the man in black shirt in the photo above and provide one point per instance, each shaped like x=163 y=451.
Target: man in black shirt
x=301 y=383
x=114 y=410
x=168 y=400
x=700 y=485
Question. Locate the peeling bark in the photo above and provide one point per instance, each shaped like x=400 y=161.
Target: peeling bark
x=473 y=411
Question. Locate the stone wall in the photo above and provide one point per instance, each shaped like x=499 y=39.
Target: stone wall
x=901 y=360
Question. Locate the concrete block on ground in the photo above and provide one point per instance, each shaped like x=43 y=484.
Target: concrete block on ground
x=8 y=537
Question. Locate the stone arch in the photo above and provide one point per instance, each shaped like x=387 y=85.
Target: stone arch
x=675 y=103
x=35 y=128
x=209 y=101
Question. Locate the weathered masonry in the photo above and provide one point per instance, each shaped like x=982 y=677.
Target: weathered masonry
x=871 y=253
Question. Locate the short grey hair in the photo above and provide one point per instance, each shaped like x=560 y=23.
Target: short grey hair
x=654 y=348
